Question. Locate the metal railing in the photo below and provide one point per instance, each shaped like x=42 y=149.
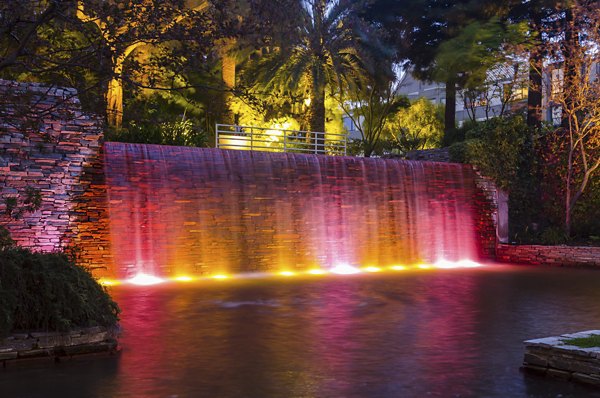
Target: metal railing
x=230 y=136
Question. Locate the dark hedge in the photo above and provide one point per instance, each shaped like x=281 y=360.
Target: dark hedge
x=48 y=292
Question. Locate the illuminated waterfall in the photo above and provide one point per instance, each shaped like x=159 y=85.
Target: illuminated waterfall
x=201 y=211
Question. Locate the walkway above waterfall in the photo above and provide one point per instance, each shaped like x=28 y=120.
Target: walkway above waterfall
x=229 y=136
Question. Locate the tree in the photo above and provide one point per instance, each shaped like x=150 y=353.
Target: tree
x=20 y=24
x=575 y=93
x=417 y=28
x=369 y=104
x=43 y=41
x=543 y=21
x=500 y=94
x=327 y=45
x=419 y=126
x=127 y=25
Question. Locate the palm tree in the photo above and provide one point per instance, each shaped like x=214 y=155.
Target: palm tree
x=327 y=47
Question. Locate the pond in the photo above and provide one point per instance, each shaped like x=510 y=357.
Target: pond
x=439 y=333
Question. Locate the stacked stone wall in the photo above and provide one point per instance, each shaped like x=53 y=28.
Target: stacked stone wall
x=556 y=357
x=430 y=155
x=582 y=256
x=47 y=143
x=486 y=205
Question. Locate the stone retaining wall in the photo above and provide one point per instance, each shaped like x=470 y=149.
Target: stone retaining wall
x=48 y=144
x=430 y=155
x=549 y=255
x=553 y=357
x=487 y=216
x=53 y=346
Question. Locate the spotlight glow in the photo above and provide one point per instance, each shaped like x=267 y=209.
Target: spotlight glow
x=469 y=264
x=183 y=278
x=145 y=280
x=108 y=282
x=345 y=269
x=445 y=264
x=316 y=271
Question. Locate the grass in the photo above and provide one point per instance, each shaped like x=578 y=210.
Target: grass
x=584 y=342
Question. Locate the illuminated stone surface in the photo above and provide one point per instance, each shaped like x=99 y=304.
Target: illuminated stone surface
x=551 y=356
x=200 y=211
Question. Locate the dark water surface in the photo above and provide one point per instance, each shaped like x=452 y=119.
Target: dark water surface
x=442 y=333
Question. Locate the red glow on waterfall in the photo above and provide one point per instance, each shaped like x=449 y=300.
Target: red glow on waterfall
x=178 y=211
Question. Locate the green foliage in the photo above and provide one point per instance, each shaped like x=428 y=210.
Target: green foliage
x=162 y=119
x=14 y=209
x=326 y=46
x=506 y=151
x=5 y=240
x=49 y=292
x=31 y=201
x=552 y=236
x=181 y=133
x=458 y=152
x=496 y=147
x=419 y=126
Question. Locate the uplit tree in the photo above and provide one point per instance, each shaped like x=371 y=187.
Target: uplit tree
x=370 y=104
x=326 y=45
x=127 y=25
x=574 y=90
x=432 y=36
x=418 y=126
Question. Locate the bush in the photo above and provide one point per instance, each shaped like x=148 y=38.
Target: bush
x=496 y=147
x=458 y=152
x=419 y=126
x=40 y=291
x=179 y=132
x=5 y=240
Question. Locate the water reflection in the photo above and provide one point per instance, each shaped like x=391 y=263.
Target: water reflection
x=440 y=333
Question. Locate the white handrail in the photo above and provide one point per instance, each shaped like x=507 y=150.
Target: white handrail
x=231 y=136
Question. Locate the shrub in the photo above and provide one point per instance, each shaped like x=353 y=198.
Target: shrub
x=41 y=291
x=496 y=147
x=5 y=240
x=419 y=126
x=179 y=132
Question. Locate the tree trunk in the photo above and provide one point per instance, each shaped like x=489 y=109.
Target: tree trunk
x=228 y=66
x=568 y=211
x=317 y=115
x=536 y=59
x=534 y=95
x=114 y=96
x=450 y=108
x=570 y=43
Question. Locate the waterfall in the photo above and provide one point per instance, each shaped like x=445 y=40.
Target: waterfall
x=201 y=211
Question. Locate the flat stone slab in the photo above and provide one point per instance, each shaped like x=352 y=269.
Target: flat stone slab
x=24 y=347
x=553 y=357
